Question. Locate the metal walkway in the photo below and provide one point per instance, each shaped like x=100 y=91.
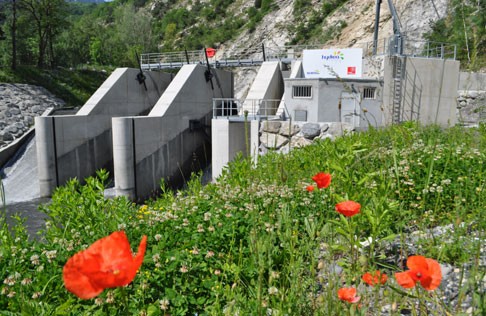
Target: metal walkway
x=250 y=57
x=255 y=56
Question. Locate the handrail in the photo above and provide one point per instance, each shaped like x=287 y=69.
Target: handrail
x=251 y=109
x=257 y=55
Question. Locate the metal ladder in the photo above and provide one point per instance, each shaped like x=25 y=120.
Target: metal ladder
x=398 y=70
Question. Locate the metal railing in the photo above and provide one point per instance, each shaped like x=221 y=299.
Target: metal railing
x=171 y=59
x=410 y=47
x=258 y=54
x=249 y=109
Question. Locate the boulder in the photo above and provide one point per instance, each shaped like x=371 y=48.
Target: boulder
x=12 y=129
x=36 y=109
x=6 y=137
x=14 y=111
x=311 y=130
x=271 y=126
x=273 y=141
x=288 y=129
x=299 y=141
x=327 y=136
x=324 y=128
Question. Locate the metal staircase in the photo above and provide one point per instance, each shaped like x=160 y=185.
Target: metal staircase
x=398 y=71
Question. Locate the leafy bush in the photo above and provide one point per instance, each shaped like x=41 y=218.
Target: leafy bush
x=257 y=241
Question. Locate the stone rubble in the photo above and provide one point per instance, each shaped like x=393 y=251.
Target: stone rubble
x=283 y=136
x=19 y=104
x=471 y=107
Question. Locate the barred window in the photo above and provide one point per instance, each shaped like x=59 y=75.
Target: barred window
x=369 y=93
x=302 y=91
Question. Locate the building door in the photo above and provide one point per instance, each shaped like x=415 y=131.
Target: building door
x=350 y=108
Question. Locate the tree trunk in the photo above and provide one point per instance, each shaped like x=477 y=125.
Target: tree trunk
x=42 y=48
x=50 y=40
x=14 y=35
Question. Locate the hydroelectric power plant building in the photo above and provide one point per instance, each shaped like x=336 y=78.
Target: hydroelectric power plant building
x=148 y=125
x=145 y=125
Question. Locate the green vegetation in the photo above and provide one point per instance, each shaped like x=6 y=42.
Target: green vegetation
x=112 y=33
x=311 y=29
x=72 y=86
x=464 y=26
x=257 y=241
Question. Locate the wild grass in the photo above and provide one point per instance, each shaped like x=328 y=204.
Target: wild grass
x=74 y=86
x=256 y=242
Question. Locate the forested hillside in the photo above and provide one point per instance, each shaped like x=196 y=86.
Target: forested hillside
x=52 y=33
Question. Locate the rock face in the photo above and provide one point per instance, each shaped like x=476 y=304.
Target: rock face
x=19 y=104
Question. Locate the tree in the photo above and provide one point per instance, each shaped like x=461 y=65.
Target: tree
x=8 y=24
x=49 y=17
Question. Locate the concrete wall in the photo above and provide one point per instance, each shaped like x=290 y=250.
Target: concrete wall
x=472 y=81
x=268 y=85
x=429 y=88
x=163 y=144
x=324 y=103
x=71 y=146
x=7 y=152
x=296 y=71
x=229 y=139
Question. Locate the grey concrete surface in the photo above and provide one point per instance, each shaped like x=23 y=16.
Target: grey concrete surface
x=229 y=139
x=78 y=145
x=430 y=87
x=173 y=139
x=268 y=85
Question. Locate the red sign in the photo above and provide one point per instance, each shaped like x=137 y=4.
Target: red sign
x=351 y=70
x=210 y=52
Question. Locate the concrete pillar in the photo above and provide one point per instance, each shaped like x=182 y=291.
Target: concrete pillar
x=219 y=146
x=254 y=140
x=46 y=154
x=124 y=157
x=229 y=139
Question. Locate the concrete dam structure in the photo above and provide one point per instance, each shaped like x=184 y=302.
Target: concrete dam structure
x=110 y=131
x=172 y=140
x=194 y=120
x=77 y=145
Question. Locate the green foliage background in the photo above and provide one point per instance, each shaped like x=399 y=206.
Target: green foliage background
x=112 y=33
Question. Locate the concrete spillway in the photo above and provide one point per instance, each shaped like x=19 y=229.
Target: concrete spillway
x=78 y=145
x=111 y=131
x=172 y=140
x=19 y=177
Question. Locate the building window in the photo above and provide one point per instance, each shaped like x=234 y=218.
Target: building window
x=369 y=93
x=302 y=91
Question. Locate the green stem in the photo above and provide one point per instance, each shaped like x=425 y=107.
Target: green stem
x=124 y=298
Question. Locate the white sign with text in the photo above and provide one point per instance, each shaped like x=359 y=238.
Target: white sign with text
x=333 y=63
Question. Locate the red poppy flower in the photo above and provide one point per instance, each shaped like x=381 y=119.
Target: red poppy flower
x=348 y=294
x=310 y=188
x=375 y=278
x=423 y=270
x=348 y=208
x=107 y=263
x=323 y=180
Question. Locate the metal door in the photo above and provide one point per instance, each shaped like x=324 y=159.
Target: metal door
x=350 y=108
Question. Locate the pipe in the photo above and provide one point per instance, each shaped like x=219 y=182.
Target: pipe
x=377 y=21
